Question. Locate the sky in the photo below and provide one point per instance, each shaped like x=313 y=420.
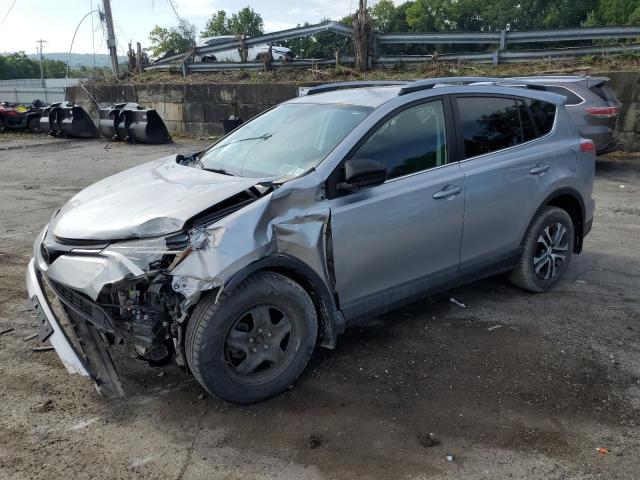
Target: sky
x=56 y=20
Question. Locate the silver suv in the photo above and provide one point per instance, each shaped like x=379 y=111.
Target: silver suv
x=337 y=205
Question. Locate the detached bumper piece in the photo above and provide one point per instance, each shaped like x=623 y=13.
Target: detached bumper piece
x=89 y=357
x=132 y=123
x=68 y=120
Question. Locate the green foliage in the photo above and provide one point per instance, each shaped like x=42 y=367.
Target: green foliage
x=173 y=40
x=321 y=45
x=17 y=65
x=245 y=23
x=217 y=25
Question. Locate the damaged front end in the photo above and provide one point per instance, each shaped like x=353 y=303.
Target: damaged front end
x=90 y=297
x=95 y=293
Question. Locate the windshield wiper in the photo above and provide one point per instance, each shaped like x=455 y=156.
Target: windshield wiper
x=266 y=136
x=218 y=170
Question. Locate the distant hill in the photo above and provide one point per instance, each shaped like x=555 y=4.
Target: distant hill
x=78 y=59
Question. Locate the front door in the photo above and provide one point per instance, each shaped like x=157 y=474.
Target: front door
x=393 y=241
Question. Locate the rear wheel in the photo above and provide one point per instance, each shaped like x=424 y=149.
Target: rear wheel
x=546 y=251
x=33 y=125
x=255 y=341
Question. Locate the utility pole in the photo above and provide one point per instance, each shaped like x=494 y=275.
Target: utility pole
x=111 y=37
x=41 y=70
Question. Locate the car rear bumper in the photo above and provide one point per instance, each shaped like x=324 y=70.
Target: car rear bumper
x=68 y=354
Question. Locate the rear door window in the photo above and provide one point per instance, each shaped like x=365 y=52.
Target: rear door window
x=488 y=124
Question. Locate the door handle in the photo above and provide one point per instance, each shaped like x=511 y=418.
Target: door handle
x=540 y=168
x=446 y=192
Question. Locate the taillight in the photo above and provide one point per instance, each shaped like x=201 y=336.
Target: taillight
x=587 y=145
x=603 y=112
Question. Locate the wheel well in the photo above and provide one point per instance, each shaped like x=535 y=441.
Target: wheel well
x=326 y=335
x=573 y=207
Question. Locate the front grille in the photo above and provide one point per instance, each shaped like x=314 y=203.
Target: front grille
x=82 y=305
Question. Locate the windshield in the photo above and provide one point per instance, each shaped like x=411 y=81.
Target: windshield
x=285 y=141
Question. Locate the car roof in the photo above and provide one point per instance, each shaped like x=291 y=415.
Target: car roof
x=562 y=78
x=365 y=97
x=374 y=97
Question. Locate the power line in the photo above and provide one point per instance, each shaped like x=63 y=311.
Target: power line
x=8 y=12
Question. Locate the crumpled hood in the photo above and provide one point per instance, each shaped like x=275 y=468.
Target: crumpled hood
x=151 y=199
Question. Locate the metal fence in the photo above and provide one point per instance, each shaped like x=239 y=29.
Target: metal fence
x=496 y=46
x=29 y=94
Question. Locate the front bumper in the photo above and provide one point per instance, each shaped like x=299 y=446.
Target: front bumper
x=90 y=358
x=68 y=354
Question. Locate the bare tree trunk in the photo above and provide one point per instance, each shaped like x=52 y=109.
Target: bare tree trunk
x=361 y=36
x=243 y=50
x=139 y=58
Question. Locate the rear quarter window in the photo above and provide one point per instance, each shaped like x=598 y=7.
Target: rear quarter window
x=543 y=113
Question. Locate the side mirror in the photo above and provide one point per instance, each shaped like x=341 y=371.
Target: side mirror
x=361 y=173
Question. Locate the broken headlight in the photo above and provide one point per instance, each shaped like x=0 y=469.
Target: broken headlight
x=146 y=254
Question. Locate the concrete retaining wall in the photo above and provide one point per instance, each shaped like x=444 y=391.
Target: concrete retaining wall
x=196 y=110
x=627 y=88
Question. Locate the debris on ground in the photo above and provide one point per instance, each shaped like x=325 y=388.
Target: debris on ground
x=41 y=349
x=580 y=281
x=43 y=407
x=8 y=330
x=30 y=337
x=602 y=450
x=456 y=302
x=428 y=441
x=449 y=457
x=495 y=327
x=313 y=441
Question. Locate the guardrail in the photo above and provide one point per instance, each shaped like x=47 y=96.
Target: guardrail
x=501 y=39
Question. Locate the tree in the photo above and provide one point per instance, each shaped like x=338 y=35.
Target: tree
x=172 y=41
x=246 y=23
x=217 y=25
x=384 y=15
x=429 y=15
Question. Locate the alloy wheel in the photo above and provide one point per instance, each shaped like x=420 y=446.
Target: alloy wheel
x=551 y=251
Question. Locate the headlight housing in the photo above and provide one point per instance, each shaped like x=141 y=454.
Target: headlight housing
x=146 y=254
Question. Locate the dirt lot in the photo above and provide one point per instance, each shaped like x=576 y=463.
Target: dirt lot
x=515 y=385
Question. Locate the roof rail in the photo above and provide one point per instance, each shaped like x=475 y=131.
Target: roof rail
x=432 y=82
x=329 y=87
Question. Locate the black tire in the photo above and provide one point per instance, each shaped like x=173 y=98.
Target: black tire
x=539 y=268
x=33 y=125
x=224 y=340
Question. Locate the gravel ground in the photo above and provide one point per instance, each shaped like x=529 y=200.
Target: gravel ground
x=515 y=385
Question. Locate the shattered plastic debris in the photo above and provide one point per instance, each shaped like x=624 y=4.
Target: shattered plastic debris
x=456 y=302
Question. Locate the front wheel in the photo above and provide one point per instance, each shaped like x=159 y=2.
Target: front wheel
x=255 y=341
x=546 y=251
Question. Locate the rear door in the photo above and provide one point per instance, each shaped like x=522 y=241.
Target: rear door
x=508 y=165
x=395 y=240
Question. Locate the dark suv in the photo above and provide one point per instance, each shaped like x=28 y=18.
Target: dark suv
x=332 y=207
x=591 y=103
